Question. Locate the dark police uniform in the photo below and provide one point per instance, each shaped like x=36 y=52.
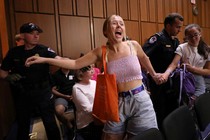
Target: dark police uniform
x=64 y=84
x=33 y=90
x=160 y=49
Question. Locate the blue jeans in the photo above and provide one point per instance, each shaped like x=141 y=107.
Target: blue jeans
x=200 y=85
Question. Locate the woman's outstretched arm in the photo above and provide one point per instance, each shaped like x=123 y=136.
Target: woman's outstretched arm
x=88 y=59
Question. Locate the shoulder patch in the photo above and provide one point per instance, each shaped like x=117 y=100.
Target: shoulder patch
x=50 y=50
x=152 y=39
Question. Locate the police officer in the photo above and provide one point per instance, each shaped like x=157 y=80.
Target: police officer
x=160 y=49
x=31 y=84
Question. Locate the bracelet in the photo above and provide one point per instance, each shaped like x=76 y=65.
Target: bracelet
x=168 y=71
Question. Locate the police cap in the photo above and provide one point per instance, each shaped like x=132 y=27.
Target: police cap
x=29 y=27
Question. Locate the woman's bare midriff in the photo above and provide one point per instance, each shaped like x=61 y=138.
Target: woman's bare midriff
x=129 y=85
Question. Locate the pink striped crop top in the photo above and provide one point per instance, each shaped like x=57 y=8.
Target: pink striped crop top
x=126 y=69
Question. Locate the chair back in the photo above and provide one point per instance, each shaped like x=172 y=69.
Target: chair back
x=180 y=125
x=202 y=110
x=150 y=134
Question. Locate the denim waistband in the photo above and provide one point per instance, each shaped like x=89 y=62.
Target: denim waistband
x=132 y=91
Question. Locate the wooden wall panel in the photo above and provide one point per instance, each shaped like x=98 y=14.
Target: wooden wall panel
x=45 y=6
x=203 y=14
x=23 y=5
x=132 y=30
x=98 y=33
x=160 y=11
x=207 y=14
x=173 y=5
x=189 y=13
x=160 y=27
x=167 y=7
x=181 y=35
x=180 y=6
x=75 y=35
x=98 y=8
x=144 y=10
x=185 y=11
x=134 y=10
x=147 y=30
x=199 y=16
x=82 y=7
x=65 y=7
x=3 y=30
x=142 y=17
x=123 y=9
x=206 y=35
x=111 y=7
x=152 y=10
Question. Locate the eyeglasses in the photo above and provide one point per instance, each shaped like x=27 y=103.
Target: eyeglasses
x=192 y=36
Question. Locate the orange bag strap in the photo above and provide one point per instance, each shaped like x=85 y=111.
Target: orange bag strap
x=104 y=58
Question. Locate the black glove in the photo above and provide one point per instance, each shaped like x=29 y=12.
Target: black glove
x=13 y=78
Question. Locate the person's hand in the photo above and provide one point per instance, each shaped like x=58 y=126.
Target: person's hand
x=33 y=60
x=160 y=78
x=69 y=97
x=189 y=67
x=157 y=78
x=13 y=78
x=164 y=77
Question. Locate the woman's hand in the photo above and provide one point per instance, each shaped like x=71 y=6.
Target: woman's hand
x=34 y=60
x=164 y=77
x=157 y=78
x=160 y=78
x=189 y=67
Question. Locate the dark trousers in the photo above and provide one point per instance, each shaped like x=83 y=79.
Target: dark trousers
x=29 y=100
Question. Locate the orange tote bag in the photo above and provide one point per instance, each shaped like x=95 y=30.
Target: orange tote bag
x=105 y=105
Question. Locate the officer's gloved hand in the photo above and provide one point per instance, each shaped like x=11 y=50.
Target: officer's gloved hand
x=13 y=78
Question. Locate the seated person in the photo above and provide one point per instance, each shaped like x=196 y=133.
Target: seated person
x=96 y=71
x=19 y=40
x=63 y=82
x=83 y=97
